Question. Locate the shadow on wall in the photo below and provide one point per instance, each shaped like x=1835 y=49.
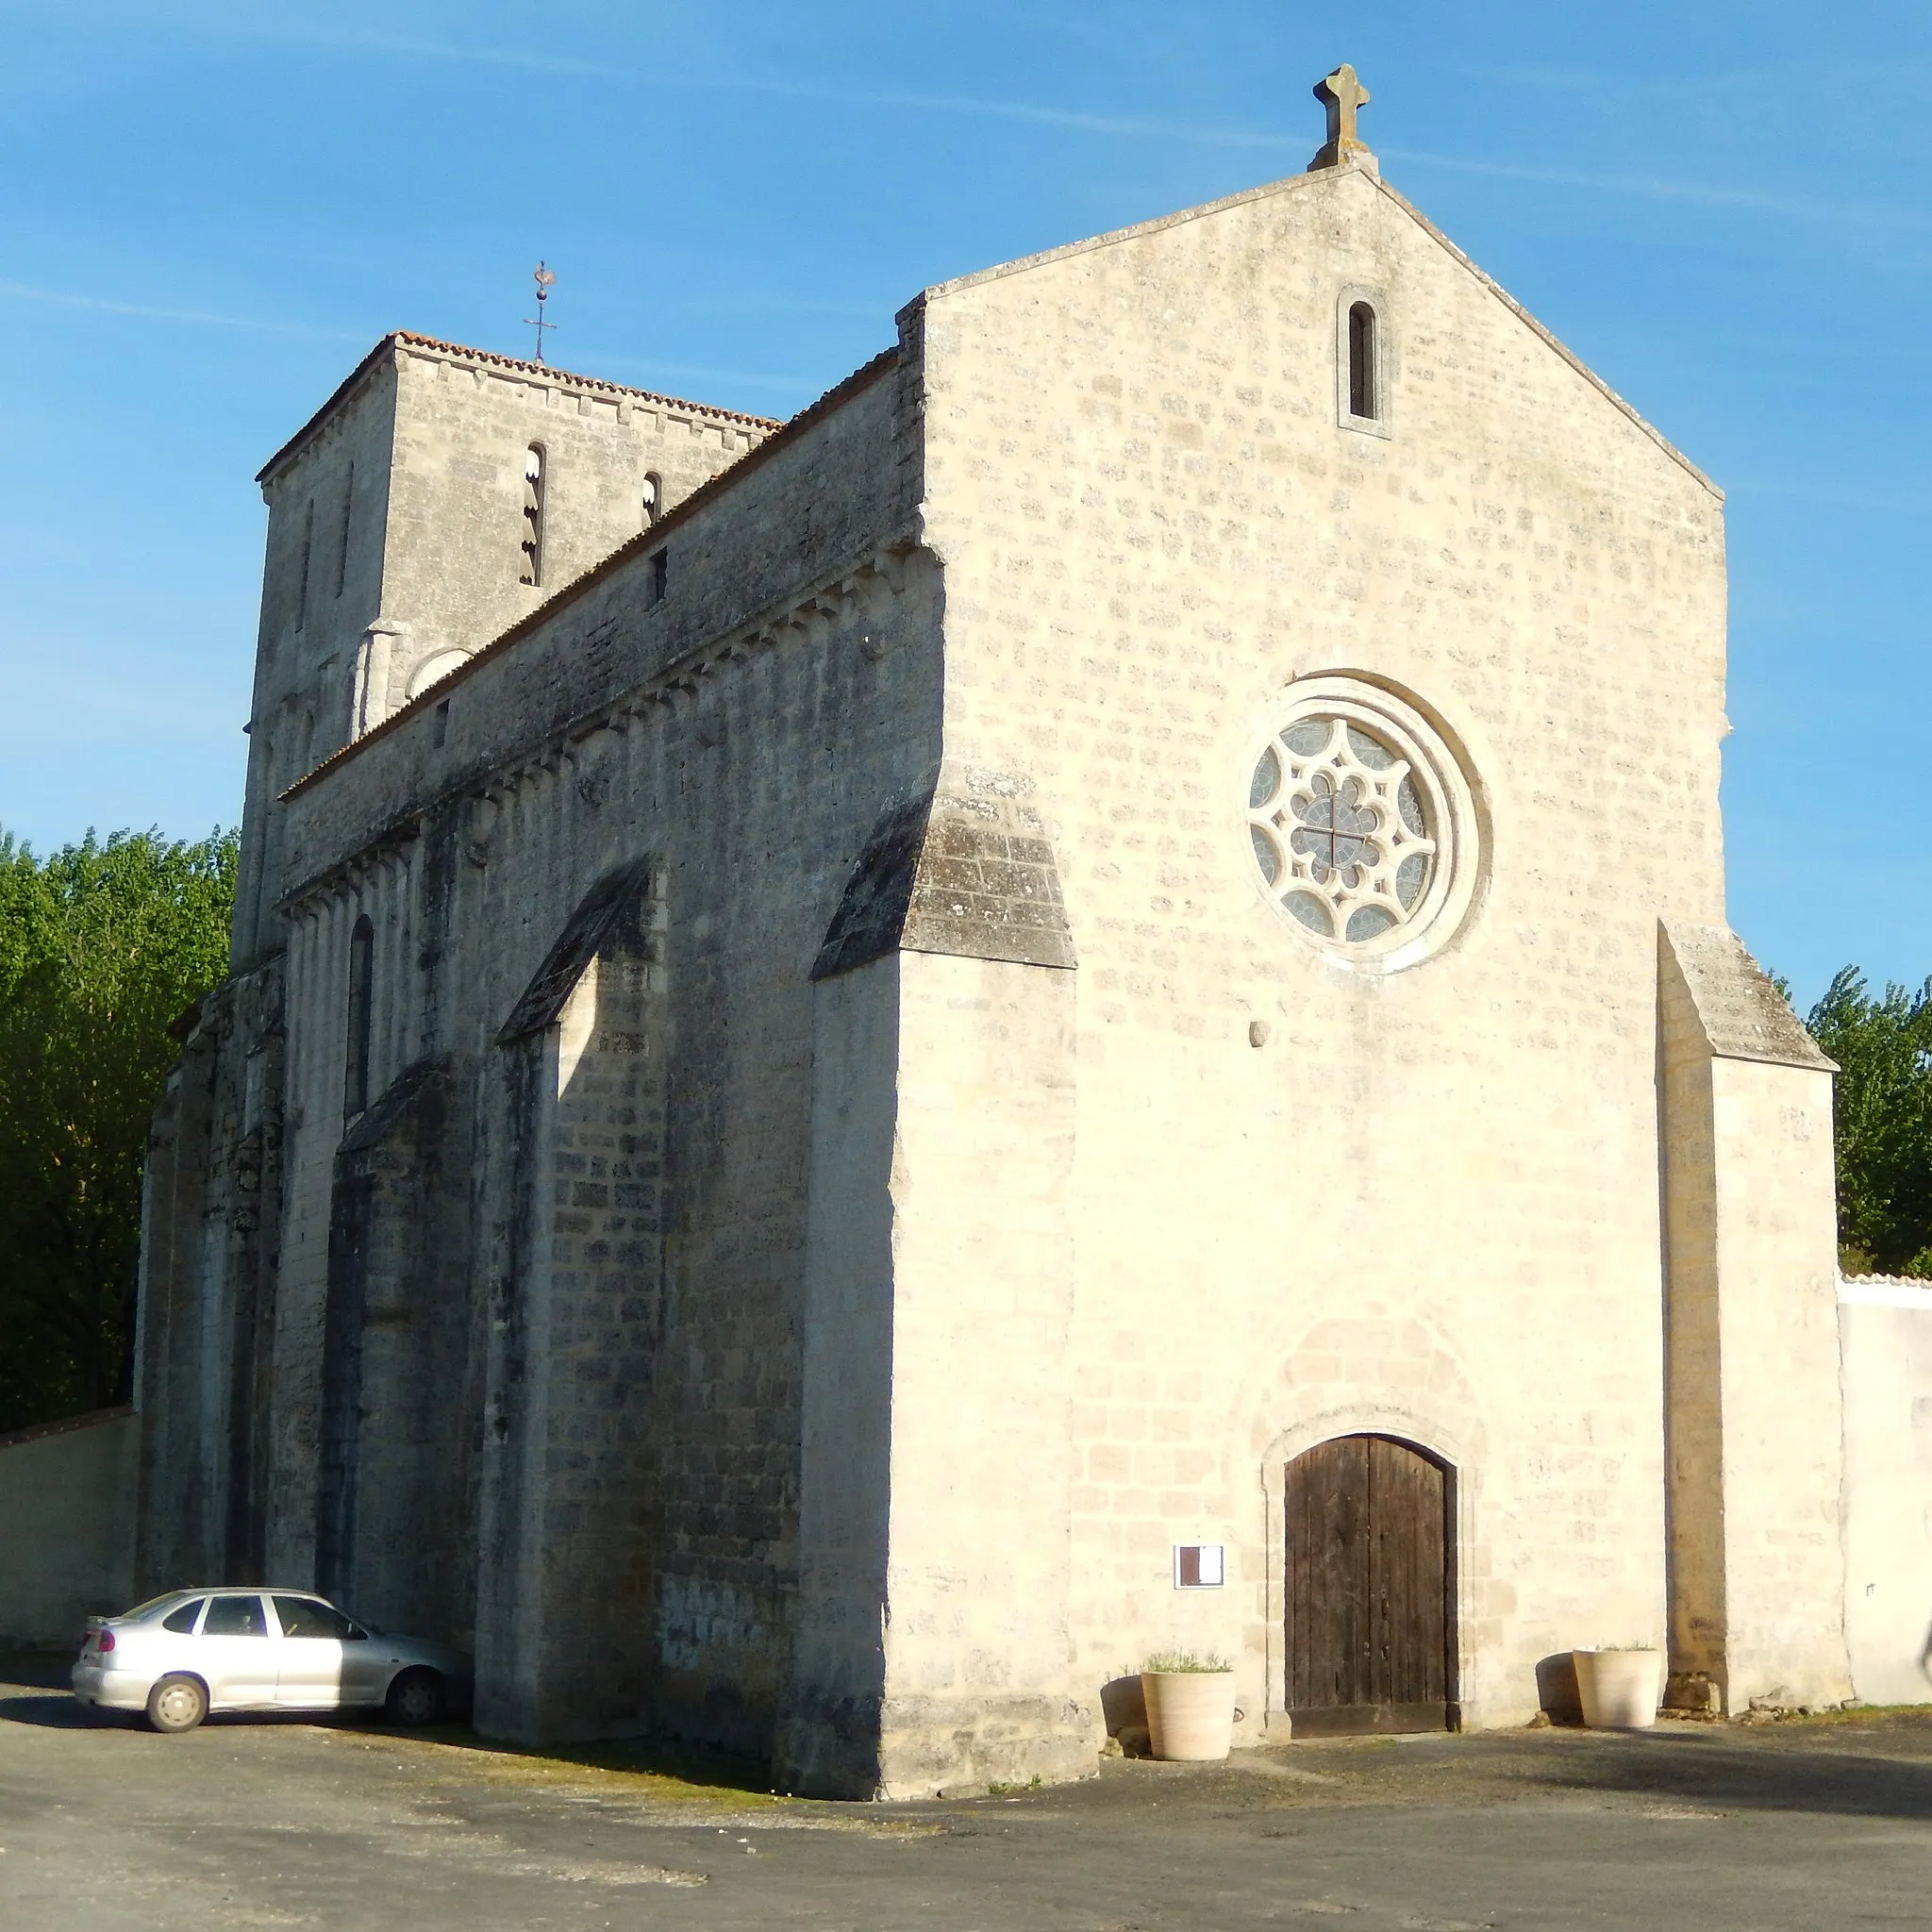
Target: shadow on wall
x=1555 y=1689
x=1124 y=1705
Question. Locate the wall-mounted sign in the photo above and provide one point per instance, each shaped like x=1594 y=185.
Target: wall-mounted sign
x=1199 y=1566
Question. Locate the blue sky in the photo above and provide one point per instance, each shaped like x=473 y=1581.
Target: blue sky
x=211 y=212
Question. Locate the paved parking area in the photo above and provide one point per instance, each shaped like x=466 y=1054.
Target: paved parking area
x=1823 y=1824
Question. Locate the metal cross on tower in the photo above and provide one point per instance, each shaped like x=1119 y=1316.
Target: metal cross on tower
x=1345 y=97
x=543 y=279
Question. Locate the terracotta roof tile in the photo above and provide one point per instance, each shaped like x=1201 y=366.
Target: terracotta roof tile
x=408 y=339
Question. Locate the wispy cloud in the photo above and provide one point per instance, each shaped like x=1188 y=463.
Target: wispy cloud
x=1689 y=192
x=149 y=311
x=1699 y=193
x=570 y=66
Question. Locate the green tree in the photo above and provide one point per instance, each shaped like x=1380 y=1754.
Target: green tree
x=1884 y=1126
x=102 y=947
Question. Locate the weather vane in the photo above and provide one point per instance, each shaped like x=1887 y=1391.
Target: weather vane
x=543 y=279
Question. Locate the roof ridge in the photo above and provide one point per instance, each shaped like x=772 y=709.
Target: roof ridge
x=1549 y=336
x=550 y=369
x=1290 y=184
x=409 y=338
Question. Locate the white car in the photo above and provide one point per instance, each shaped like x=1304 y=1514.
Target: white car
x=181 y=1656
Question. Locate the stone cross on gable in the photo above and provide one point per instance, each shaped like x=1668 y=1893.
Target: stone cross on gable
x=1343 y=96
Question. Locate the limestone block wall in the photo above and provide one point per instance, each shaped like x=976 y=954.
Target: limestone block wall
x=67 y=1494
x=1754 y=1425
x=1885 y=1340
x=395 y=529
x=401 y=1378
x=979 y=1643
x=322 y=589
x=464 y=424
x=568 y=1593
x=1309 y=1199
x=211 y=1241
x=742 y=731
x=827 y=1737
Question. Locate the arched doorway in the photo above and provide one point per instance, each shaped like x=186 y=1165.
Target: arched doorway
x=1371 y=1588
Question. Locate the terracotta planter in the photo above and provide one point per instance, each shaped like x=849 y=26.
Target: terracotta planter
x=1189 y=1713
x=1619 y=1688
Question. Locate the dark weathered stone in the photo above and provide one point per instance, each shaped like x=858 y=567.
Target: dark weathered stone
x=962 y=871
x=608 y=916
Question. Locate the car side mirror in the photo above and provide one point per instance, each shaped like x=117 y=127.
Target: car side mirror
x=356 y=1635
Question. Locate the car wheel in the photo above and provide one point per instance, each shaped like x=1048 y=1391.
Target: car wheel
x=414 y=1698
x=177 y=1704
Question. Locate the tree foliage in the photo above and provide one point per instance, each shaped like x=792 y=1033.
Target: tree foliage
x=1884 y=1122
x=102 y=947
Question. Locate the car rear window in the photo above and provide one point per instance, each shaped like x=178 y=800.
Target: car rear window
x=235 y=1616
x=302 y=1616
x=183 y=1618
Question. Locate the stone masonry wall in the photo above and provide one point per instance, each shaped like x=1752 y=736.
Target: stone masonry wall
x=745 y=732
x=211 y=1249
x=1308 y=1199
x=332 y=504
x=464 y=424
x=396 y=522
x=1754 y=1426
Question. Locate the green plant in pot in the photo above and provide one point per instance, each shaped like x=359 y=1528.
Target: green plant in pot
x=1190 y=1703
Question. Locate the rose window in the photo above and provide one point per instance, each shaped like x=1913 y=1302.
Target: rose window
x=1340 y=831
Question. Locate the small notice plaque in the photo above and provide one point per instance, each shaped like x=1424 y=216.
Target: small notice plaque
x=1199 y=1566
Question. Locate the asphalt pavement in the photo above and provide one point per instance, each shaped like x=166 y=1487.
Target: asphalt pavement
x=1809 y=1823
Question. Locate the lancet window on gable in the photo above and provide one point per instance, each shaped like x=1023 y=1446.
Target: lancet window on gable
x=1364 y=398
x=654 y=498
x=535 y=483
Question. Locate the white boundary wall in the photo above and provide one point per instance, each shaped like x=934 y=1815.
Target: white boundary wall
x=1885 y=1349
x=66 y=1525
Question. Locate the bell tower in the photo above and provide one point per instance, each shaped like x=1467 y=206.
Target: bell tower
x=438 y=497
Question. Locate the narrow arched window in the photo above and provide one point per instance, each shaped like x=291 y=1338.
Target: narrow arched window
x=307 y=551
x=361 y=991
x=534 y=481
x=1362 y=397
x=343 y=547
x=654 y=498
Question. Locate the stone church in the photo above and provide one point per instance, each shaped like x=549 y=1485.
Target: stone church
x=1076 y=1005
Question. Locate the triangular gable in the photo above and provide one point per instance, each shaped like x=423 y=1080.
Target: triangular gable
x=1308 y=183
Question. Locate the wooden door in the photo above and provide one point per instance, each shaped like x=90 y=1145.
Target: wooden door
x=1371 y=1589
